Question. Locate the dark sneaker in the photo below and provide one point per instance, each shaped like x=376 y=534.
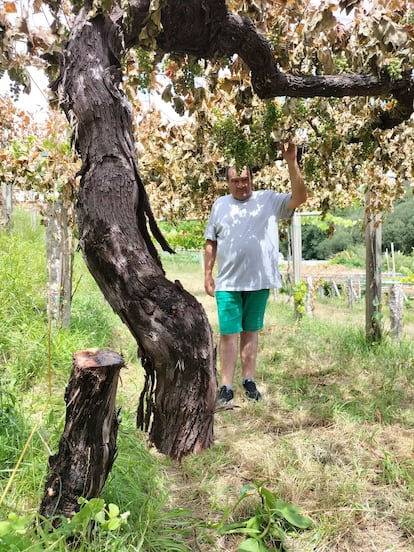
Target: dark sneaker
x=251 y=390
x=225 y=396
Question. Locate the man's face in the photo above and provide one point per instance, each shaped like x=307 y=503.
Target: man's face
x=240 y=185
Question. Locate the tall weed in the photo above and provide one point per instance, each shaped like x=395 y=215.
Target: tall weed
x=13 y=432
x=24 y=331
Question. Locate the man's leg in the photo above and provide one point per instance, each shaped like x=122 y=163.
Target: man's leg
x=248 y=353
x=254 y=306
x=228 y=357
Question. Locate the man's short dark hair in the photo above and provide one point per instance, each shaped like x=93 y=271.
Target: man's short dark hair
x=227 y=169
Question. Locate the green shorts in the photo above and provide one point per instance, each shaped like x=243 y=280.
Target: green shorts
x=241 y=310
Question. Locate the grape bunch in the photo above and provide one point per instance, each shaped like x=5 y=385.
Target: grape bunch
x=15 y=90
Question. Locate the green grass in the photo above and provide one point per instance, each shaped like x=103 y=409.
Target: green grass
x=333 y=433
x=336 y=370
x=24 y=336
x=31 y=400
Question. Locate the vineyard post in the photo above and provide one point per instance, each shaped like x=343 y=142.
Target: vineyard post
x=6 y=206
x=296 y=247
x=373 y=233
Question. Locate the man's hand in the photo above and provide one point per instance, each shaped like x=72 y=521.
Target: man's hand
x=289 y=152
x=298 y=194
x=209 y=285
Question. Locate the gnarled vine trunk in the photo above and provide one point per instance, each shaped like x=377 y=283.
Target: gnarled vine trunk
x=170 y=326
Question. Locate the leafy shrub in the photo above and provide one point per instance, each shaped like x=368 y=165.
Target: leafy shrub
x=398 y=227
x=299 y=297
x=340 y=241
x=312 y=237
x=184 y=235
x=272 y=522
x=351 y=258
x=95 y=522
x=404 y=264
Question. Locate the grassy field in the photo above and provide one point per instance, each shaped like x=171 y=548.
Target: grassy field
x=333 y=435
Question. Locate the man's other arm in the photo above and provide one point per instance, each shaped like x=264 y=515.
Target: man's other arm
x=209 y=260
x=296 y=179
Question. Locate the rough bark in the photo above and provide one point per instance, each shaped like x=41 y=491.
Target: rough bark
x=171 y=328
x=87 y=448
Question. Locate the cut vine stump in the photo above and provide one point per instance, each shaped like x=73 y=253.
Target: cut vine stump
x=87 y=448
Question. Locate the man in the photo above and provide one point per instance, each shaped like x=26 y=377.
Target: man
x=242 y=233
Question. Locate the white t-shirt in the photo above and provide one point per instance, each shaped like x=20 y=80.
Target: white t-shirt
x=247 y=236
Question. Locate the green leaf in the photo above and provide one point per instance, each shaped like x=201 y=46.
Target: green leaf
x=16 y=524
x=252 y=545
x=277 y=534
x=5 y=528
x=254 y=522
x=245 y=489
x=291 y=514
x=249 y=531
x=243 y=531
x=95 y=505
x=113 y=510
x=100 y=517
x=269 y=498
x=88 y=510
x=113 y=524
x=250 y=527
x=230 y=527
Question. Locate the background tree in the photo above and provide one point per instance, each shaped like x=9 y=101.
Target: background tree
x=37 y=158
x=14 y=124
x=399 y=227
x=6 y=124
